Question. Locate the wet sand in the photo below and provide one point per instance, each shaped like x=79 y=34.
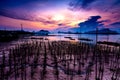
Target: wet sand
x=59 y=60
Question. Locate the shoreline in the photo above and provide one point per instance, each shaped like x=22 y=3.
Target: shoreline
x=74 y=58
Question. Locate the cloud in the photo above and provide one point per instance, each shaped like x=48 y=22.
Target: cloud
x=107 y=9
x=100 y=5
x=115 y=23
x=115 y=26
x=91 y=23
x=81 y=3
x=117 y=2
x=14 y=15
x=62 y=24
x=104 y=21
x=9 y=3
x=25 y=3
x=24 y=16
x=87 y=2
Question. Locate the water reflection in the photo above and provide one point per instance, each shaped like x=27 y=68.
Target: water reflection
x=111 y=38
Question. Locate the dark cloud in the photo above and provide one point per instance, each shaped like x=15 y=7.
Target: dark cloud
x=18 y=3
x=102 y=21
x=82 y=3
x=11 y=3
x=13 y=15
x=61 y=24
x=87 y=2
x=117 y=2
x=91 y=23
x=115 y=23
x=111 y=7
x=100 y=5
x=115 y=26
x=23 y=16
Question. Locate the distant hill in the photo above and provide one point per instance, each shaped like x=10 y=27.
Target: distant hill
x=60 y=29
x=42 y=32
x=102 y=31
x=67 y=30
x=78 y=30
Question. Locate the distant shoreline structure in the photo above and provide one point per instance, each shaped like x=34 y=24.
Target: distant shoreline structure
x=102 y=31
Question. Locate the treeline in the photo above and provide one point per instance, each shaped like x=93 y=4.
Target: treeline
x=6 y=36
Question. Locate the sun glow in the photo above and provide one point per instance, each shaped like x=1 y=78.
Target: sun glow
x=58 y=17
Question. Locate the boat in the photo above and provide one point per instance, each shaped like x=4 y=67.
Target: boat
x=85 y=39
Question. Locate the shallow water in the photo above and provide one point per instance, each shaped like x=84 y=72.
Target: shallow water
x=111 y=38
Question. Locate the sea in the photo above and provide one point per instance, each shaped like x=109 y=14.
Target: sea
x=92 y=37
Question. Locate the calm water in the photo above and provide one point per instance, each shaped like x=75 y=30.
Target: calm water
x=112 y=38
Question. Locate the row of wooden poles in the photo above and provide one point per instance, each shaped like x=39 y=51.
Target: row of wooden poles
x=72 y=58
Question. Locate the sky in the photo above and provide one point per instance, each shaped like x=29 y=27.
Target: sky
x=53 y=14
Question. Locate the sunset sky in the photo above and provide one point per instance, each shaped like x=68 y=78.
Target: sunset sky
x=53 y=14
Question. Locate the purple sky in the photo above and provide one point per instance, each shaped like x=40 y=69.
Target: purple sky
x=53 y=14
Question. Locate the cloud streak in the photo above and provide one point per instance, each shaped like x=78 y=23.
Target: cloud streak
x=24 y=16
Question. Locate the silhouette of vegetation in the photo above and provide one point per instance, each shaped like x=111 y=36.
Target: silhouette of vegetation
x=6 y=36
x=59 y=60
x=109 y=43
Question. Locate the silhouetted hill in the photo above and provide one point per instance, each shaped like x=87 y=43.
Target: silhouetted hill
x=42 y=32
